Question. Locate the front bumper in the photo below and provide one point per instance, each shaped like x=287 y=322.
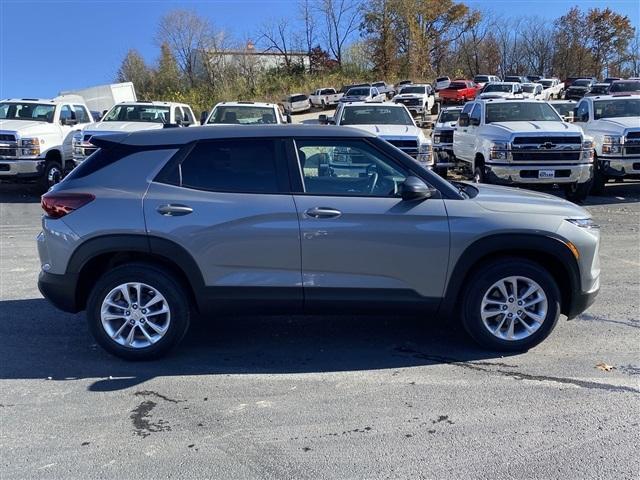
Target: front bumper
x=60 y=290
x=509 y=174
x=580 y=302
x=619 y=167
x=11 y=168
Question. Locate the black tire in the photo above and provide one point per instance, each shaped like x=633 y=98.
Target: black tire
x=577 y=192
x=478 y=174
x=599 y=180
x=52 y=175
x=482 y=280
x=163 y=282
x=435 y=109
x=323 y=105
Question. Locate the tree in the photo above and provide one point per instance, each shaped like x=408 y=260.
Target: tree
x=609 y=35
x=308 y=19
x=378 y=25
x=167 y=77
x=277 y=37
x=134 y=69
x=342 y=18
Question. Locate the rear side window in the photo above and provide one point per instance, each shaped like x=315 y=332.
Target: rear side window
x=242 y=165
x=81 y=114
x=99 y=159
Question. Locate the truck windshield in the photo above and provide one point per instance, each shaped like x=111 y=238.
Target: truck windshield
x=359 y=92
x=244 y=114
x=449 y=116
x=375 y=115
x=498 y=87
x=138 y=113
x=27 y=111
x=528 y=88
x=520 y=112
x=413 y=89
x=546 y=83
x=633 y=86
x=615 y=108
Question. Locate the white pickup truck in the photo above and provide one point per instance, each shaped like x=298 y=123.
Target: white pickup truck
x=390 y=121
x=36 y=139
x=419 y=99
x=523 y=142
x=246 y=113
x=614 y=123
x=132 y=117
x=553 y=86
x=324 y=97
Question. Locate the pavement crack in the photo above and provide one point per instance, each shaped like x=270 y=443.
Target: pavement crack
x=587 y=317
x=151 y=393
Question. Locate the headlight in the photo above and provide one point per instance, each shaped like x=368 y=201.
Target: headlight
x=499 y=151
x=77 y=138
x=583 y=222
x=30 y=147
x=611 y=144
x=30 y=142
x=587 y=150
x=425 y=152
x=436 y=138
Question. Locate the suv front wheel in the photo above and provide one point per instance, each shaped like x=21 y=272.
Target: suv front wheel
x=511 y=304
x=138 y=311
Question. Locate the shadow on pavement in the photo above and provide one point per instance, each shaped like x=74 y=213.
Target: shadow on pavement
x=19 y=193
x=37 y=341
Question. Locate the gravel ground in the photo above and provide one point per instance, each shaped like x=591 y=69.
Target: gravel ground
x=321 y=397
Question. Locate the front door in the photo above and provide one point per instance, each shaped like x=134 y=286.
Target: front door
x=360 y=241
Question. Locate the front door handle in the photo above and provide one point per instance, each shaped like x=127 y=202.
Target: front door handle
x=174 y=210
x=323 y=212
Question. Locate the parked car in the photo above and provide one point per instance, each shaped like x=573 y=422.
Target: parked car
x=363 y=94
x=246 y=113
x=579 y=88
x=349 y=223
x=441 y=83
x=36 y=139
x=598 y=89
x=390 y=121
x=385 y=89
x=523 y=142
x=614 y=123
x=459 y=91
x=553 y=86
x=419 y=99
x=482 y=80
x=502 y=90
x=296 y=103
x=442 y=138
x=625 y=86
x=516 y=79
x=565 y=108
x=534 y=90
x=131 y=117
x=324 y=97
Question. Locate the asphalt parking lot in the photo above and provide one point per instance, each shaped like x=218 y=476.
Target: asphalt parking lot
x=321 y=397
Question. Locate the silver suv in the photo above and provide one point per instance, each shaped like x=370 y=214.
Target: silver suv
x=157 y=226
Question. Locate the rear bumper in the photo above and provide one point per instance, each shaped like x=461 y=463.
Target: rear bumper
x=60 y=290
x=508 y=174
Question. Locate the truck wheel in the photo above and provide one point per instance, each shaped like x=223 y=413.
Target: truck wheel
x=52 y=175
x=599 y=180
x=577 y=192
x=510 y=304
x=323 y=105
x=138 y=311
x=435 y=109
x=478 y=175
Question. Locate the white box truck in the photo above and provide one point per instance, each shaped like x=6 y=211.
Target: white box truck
x=102 y=97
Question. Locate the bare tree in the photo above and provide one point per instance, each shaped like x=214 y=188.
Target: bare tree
x=539 y=47
x=342 y=19
x=308 y=19
x=277 y=36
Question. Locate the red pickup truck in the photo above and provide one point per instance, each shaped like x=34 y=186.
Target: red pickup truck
x=459 y=91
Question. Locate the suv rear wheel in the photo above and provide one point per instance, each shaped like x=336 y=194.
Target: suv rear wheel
x=138 y=311
x=513 y=305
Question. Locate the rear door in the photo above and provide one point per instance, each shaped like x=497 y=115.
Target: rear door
x=227 y=203
x=360 y=241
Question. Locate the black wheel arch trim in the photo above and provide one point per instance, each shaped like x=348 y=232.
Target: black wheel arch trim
x=510 y=244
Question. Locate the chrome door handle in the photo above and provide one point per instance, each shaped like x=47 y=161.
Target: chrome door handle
x=174 y=210
x=323 y=212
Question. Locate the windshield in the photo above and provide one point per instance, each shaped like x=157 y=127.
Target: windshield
x=138 y=113
x=498 y=87
x=627 y=107
x=298 y=98
x=27 y=111
x=449 y=116
x=564 y=109
x=582 y=83
x=244 y=114
x=528 y=88
x=481 y=79
x=625 y=87
x=358 y=92
x=414 y=89
x=375 y=115
x=520 y=112
x=546 y=83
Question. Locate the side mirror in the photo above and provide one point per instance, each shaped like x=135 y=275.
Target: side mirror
x=323 y=119
x=288 y=116
x=68 y=121
x=331 y=120
x=203 y=117
x=414 y=188
x=463 y=120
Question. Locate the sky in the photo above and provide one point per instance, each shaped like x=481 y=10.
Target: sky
x=48 y=46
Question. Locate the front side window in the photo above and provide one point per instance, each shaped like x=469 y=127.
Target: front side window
x=375 y=115
x=188 y=116
x=520 y=112
x=82 y=116
x=27 y=111
x=137 y=113
x=476 y=115
x=583 y=112
x=177 y=111
x=348 y=168
x=243 y=165
x=449 y=116
x=66 y=113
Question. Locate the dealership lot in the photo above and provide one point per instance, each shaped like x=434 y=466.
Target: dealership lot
x=330 y=397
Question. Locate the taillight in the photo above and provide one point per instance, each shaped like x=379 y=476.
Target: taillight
x=57 y=205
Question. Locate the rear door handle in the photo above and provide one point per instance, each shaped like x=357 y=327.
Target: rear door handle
x=174 y=210
x=323 y=212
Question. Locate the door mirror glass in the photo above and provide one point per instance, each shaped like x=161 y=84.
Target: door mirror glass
x=463 y=121
x=323 y=119
x=414 y=188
